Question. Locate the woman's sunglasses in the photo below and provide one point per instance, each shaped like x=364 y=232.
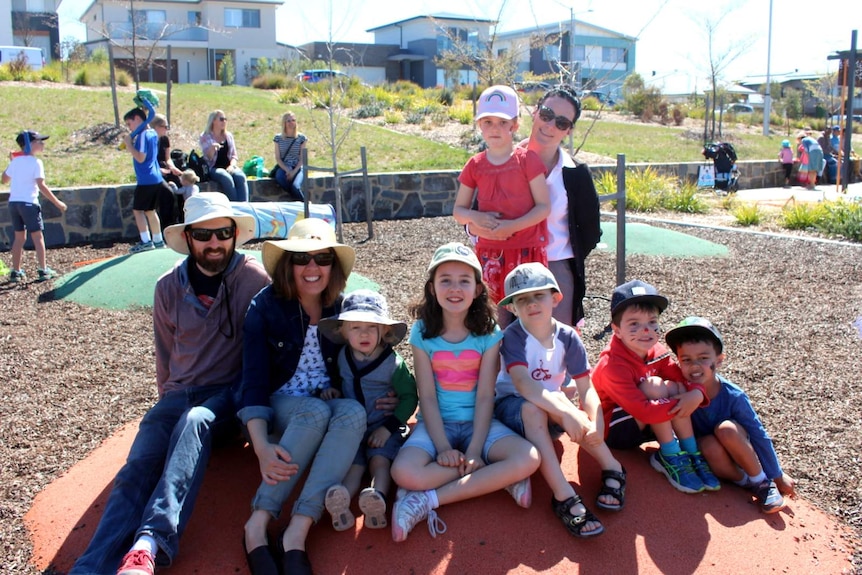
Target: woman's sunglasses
x=322 y=259
x=204 y=234
x=548 y=115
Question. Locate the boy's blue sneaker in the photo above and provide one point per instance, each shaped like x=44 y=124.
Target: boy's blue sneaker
x=158 y=245
x=768 y=496
x=141 y=247
x=17 y=276
x=678 y=470
x=701 y=467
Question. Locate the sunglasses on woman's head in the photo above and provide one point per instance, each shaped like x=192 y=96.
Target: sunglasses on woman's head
x=321 y=259
x=548 y=115
x=204 y=234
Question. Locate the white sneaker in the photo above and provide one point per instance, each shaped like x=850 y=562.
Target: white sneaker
x=412 y=508
x=521 y=492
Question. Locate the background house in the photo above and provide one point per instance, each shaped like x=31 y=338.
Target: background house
x=201 y=34
x=421 y=39
x=31 y=23
x=600 y=58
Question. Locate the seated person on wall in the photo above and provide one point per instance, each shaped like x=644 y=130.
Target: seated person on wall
x=288 y=156
x=219 y=150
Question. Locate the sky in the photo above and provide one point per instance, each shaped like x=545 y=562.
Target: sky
x=672 y=44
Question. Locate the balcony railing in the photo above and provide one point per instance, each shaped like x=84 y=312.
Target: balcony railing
x=173 y=32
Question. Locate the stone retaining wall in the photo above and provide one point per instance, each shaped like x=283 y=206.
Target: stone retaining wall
x=105 y=213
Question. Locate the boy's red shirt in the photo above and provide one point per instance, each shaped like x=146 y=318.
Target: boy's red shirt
x=618 y=373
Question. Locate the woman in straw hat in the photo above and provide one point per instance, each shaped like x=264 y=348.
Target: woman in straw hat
x=287 y=405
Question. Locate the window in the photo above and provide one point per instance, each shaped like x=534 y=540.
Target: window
x=193 y=18
x=458 y=38
x=502 y=52
x=238 y=18
x=552 y=53
x=149 y=16
x=614 y=55
x=580 y=53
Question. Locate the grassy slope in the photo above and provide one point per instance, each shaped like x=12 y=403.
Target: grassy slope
x=254 y=116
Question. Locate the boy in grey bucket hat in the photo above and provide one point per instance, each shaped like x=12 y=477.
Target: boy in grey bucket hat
x=540 y=355
x=370 y=369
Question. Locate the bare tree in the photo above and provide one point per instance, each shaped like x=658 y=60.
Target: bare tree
x=144 y=41
x=721 y=53
x=24 y=24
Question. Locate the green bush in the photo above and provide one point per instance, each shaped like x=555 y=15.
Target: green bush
x=591 y=103
x=684 y=199
x=842 y=218
x=802 y=216
x=464 y=116
x=747 y=214
x=290 y=95
x=371 y=110
x=270 y=81
x=393 y=117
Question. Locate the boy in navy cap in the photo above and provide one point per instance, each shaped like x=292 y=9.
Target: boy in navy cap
x=27 y=176
x=729 y=431
x=636 y=380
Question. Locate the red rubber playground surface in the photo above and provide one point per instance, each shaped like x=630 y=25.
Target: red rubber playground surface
x=660 y=530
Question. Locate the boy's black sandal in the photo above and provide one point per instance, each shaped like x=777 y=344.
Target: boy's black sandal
x=576 y=523
x=618 y=493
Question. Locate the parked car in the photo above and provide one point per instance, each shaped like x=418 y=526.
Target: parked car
x=602 y=97
x=32 y=56
x=837 y=120
x=532 y=86
x=314 y=76
x=739 y=109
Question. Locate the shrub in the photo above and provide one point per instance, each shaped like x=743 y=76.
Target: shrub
x=591 y=103
x=647 y=190
x=748 y=215
x=679 y=114
x=606 y=185
x=371 y=110
x=684 y=199
x=270 y=81
x=393 y=117
x=843 y=219
x=801 y=216
x=464 y=116
x=414 y=117
x=290 y=95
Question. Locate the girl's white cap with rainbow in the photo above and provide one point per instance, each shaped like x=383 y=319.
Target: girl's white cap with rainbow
x=498 y=101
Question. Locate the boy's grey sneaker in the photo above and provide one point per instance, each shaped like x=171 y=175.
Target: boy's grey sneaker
x=701 y=467
x=768 y=497
x=141 y=247
x=678 y=470
x=158 y=245
x=17 y=276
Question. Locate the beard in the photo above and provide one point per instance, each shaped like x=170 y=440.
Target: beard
x=206 y=262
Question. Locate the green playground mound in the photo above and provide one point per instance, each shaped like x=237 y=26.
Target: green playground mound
x=652 y=241
x=128 y=282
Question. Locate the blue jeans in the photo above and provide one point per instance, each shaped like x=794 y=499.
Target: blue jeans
x=155 y=491
x=321 y=434
x=294 y=188
x=233 y=184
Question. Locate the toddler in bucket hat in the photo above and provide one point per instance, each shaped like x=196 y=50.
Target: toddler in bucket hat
x=364 y=306
x=370 y=369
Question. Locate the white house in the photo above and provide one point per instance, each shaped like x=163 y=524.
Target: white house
x=200 y=34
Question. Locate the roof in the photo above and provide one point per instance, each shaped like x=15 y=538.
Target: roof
x=438 y=16
x=564 y=25
x=143 y=3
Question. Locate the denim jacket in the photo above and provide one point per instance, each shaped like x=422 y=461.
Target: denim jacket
x=273 y=335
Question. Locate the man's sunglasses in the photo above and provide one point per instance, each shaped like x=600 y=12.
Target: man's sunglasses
x=548 y=115
x=204 y=234
x=303 y=259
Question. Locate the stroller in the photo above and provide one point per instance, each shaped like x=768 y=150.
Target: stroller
x=723 y=157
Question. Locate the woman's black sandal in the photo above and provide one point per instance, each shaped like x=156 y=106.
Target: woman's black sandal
x=260 y=560
x=294 y=561
x=618 y=493
x=576 y=523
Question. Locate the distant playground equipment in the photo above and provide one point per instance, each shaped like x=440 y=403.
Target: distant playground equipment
x=723 y=174
x=273 y=219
